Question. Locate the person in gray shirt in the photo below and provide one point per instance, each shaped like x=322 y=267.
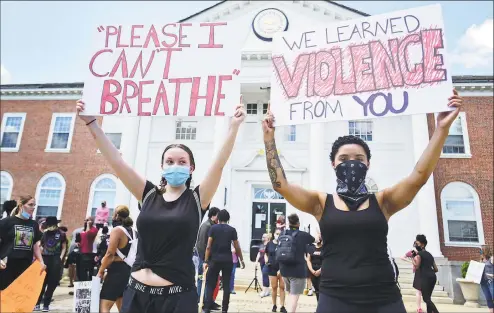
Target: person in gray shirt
x=72 y=258
x=202 y=242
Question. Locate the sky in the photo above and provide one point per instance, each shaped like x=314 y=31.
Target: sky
x=49 y=41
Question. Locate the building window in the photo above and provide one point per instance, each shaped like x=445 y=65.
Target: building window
x=61 y=131
x=361 y=129
x=251 y=108
x=49 y=196
x=103 y=188
x=12 y=127
x=115 y=138
x=462 y=219
x=371 y=185
x=291 y=133
x=457 y=143
x=266 y=194
x=264 y=108
x=6 y=185
x=186 y=130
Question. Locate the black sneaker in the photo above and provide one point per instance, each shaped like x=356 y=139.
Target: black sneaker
x=283 y=310
x=274 y=308
x=46 y=309
x=215 y=307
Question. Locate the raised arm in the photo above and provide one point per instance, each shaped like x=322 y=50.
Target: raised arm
x=131 y=179
x=399 y=196
x=210 y=183
x=305 y=200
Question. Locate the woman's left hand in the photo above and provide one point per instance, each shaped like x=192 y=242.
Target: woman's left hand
x=445 y=119
x=43 y=268
x=240 y=114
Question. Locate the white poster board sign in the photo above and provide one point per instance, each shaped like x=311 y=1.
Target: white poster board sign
x=86 y=296
x=475 y=271
x=383 y=65
x=180 y=69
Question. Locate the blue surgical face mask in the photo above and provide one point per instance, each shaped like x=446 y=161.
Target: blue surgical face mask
x=25 y=215
x=176 y=175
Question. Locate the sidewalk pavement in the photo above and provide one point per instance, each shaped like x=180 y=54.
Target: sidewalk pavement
x=252 y=302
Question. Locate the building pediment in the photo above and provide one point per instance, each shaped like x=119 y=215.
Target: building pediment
x=257 y=162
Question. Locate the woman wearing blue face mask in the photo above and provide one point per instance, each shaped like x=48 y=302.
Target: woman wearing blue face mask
x=356 y=274
x=19 y=241
x=162 y=278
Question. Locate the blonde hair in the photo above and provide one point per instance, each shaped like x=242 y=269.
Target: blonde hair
x=486 y=252
x=22 y=201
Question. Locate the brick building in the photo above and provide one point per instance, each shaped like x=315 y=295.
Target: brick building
x=463 y=178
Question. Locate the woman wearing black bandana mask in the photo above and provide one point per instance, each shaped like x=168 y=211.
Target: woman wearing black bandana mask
x=356 y=274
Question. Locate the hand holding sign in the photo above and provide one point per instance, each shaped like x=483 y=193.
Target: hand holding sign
x=80 y=106
x=239 y=115
x=445 y=119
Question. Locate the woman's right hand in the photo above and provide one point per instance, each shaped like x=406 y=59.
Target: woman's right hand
x=3 y=265
x=80 y=106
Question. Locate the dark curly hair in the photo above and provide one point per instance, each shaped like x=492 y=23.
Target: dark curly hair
x=223 y=216
x=347 y=140
x=422 y=239
x=192 y=163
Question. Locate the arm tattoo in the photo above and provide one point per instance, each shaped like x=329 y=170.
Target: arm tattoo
x=274 y=163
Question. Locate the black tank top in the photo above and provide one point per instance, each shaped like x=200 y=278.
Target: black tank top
x=356 y=267
x=125 y=250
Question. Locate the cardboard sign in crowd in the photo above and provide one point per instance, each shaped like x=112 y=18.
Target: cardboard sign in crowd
x=384 y=65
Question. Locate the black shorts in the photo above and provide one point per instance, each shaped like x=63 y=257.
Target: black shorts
x=273 y=269
x=115 y=282
x=328 y=304
x=72 y=259
x=170 y=301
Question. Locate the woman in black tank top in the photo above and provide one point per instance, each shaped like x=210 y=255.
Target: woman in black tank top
x=427 y=269
x=118 y=271
x=356 y=274
x=162 y=278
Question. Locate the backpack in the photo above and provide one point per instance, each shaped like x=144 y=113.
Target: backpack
x=131 y=256
x=286 y=250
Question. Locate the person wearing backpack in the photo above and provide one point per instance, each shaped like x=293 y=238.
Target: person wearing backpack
x=290 y=254
x=118 y=260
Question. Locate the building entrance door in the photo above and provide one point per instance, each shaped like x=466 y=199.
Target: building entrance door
x=266 y=207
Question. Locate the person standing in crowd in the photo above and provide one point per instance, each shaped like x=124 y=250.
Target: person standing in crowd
x=7 y=208
x=169 y=220
x=294 y=271
x=73 y=257
x=234 y=270
x=353 y=222
x=53 y=245
x=118 y=271
x=487 y=280
x=64 y=229
x=201 y=244
x=85 y=267
x=424 y=262
x=218 y=259
x=314 y=263
x=102 y=246
x=273 y=268
x=19 y=242
x=260 y=259
x=310 y=248
x=416 y=279
x=280 y=223
x=102 y=215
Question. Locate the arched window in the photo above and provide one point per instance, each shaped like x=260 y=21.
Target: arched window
x=49 y=196
x=103 y=188
x=6 y=185
x=462 y=219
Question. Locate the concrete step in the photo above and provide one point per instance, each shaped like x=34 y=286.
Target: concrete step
x=442 y=300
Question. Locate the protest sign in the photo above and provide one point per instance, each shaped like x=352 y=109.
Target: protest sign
x=180 y=69
x=86 y=295
x=23 y=293
x=384 y=65
x=475 y=271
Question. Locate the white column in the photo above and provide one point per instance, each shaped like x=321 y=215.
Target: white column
x=141 y=156
x=425 y=200
x=220 y=131
x=316 y=161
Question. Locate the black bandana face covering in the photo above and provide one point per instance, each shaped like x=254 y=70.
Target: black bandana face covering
x=351 y=183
